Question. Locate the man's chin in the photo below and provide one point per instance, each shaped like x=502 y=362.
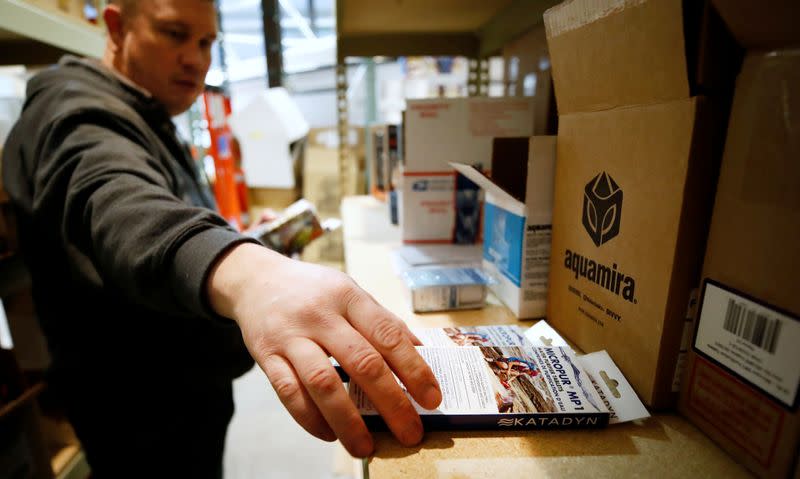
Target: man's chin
x=178 y=106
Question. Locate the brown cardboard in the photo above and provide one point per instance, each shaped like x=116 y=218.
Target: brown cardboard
x=609 y=53
x=766 y=24
x=625 y=73
x=655 y=155
x=753 y=248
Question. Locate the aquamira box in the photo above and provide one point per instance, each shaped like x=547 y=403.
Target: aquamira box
x=633 y=185
x=628 y=230
x=517 y=224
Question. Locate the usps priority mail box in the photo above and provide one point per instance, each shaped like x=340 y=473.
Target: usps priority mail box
x=435 y=208
x=517 y=233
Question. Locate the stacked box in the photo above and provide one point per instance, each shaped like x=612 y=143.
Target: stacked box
x=743 y=374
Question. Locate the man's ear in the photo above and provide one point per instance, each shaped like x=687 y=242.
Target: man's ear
x=113 y=19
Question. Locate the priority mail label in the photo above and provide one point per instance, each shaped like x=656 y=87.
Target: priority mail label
x=429 y=207
x=754 y=341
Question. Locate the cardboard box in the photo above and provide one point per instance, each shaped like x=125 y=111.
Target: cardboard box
x=517 y=226
x=743 y=376
x=607 y=53
x=634 y=181
x=321 y=179
x=631 y=196
x=768 y=24
x=441 y=131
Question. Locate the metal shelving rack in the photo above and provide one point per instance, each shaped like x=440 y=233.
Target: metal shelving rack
x=475 y=29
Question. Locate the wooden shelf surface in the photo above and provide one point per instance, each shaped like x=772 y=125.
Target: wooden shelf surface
x=664 y=445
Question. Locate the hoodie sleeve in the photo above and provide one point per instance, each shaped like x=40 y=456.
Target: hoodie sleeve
x=122 y=224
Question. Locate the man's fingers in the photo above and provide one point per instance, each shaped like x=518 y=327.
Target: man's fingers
x=413 y=337
x=267 y=215
x=326 y=389
x=295 y=398
x=390 y=337
x=367 y=368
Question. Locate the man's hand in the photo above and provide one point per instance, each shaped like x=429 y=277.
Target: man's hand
x=266 y=215
x=293 y=315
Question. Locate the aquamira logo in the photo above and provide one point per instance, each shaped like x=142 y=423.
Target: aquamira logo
x=602 y=211
x=602 y=275
x=602 y=208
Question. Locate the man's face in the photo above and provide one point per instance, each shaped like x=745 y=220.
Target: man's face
x=166 y=49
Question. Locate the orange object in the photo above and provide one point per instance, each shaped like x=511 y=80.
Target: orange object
x=217 y=109
x=241 y=184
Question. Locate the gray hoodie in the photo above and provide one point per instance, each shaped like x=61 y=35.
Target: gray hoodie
x=117 y=230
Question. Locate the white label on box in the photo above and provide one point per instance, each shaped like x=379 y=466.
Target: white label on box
x=752 y=340
x=537 y=262
x=429 y=208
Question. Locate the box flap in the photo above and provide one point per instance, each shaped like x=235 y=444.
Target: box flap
x=610 y=53
x=766 y=24
x=500 y=197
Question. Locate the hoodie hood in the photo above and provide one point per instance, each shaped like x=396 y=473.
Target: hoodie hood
x=88 y=80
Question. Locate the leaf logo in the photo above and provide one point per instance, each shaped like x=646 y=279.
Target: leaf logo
x=602 y=208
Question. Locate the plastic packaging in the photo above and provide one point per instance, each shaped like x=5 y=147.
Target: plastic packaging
x=446 y=288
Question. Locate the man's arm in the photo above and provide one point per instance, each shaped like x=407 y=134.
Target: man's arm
x=150 y=247
x=293 y=315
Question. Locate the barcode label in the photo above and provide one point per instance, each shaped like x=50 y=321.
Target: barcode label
x=750 y=325
x=752 y=340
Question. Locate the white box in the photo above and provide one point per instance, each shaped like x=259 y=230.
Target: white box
x=265 y=128
x=440 y=131
x=516 y=234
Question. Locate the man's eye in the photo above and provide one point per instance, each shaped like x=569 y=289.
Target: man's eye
x=175 y=34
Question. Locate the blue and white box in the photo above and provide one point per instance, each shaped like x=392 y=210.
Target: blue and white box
x=517 y=234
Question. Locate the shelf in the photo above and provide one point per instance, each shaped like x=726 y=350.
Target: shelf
x=473 y=28
x=30 y=34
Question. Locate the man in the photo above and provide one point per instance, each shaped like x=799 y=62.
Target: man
x=149 y=301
